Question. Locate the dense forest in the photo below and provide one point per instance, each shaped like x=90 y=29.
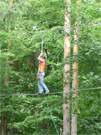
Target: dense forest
x=26 y=25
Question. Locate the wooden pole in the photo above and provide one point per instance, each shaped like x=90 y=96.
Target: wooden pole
x=66 y=93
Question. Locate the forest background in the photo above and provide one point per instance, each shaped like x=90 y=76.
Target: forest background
x=23 y=24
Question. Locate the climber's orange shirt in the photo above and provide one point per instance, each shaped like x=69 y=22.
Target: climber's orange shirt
x=42 y=66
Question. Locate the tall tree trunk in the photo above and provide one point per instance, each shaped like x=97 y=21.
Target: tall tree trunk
x=75 y=87
x=66 y=94
x=6 y=77
x=75 y=72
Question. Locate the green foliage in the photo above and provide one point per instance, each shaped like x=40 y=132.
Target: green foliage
x=20 y=47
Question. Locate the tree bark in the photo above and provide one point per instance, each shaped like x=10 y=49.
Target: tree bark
x=75 y=86
x=4 y=124
x=75 y=71
x=66 y=93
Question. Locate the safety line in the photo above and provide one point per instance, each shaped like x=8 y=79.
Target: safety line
x=55 y=93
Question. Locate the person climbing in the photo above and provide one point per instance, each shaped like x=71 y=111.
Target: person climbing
x=42 y=87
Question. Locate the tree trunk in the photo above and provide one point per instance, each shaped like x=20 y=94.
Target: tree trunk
x=75 y=72
x=75 y=65
x=3 y=125
x=75 y=86
x=6 y=78
x=66 y=94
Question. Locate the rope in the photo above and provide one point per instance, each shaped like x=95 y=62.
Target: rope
x=43 y=50
x=97 y=88
x=25 y=94
x=55 y=93
x=42 y=43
